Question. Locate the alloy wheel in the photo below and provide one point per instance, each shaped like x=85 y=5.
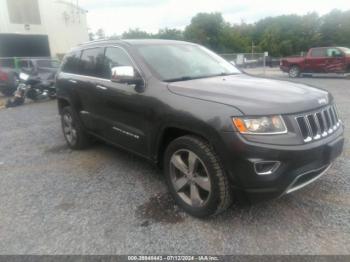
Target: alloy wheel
x=69 y=130
x=190 y=178
x=294 y=72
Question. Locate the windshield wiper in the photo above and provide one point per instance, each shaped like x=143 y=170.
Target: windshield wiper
x=226 y=74
x=186 y=78
x=182 y=78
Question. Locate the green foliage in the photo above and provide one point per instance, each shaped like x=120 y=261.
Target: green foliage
x=136 y=34
x=335 y=28
x=100 y=34
x=280 y=36
x=206 y=29
x=172 y=34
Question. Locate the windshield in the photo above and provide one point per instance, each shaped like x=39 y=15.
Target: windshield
x=345 y=50
x=175 y=62
x=48 y=63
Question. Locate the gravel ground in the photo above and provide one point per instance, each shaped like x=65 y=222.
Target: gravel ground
x=107 y=201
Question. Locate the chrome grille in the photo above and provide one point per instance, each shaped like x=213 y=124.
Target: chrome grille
x=320 y=124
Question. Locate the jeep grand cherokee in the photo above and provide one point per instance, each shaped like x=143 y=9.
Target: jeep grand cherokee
x=210 y=127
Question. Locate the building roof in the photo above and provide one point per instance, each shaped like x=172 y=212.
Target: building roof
x=71 y=5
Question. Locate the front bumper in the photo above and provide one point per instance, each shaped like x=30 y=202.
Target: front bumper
x=299 y=165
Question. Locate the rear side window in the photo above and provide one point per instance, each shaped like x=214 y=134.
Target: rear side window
x=71 y=63
x=318 y=52
x=92 y=62
x=115 y=57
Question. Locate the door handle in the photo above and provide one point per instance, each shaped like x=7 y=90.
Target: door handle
x=73 y=81
x=101 y=87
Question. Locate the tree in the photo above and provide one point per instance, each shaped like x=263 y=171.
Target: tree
x=232 y=40
x=91 y=35
x=280 y=36
x=136 y=34
x=335 y=28
x=100 y=34
x=206 y=29
x=173 y=34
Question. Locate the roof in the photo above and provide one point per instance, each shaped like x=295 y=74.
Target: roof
x=135 y=42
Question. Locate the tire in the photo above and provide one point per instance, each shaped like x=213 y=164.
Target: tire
x=294 y=72
x=11 y=86
x=13 y=102
x=32 y=94
x=73 y=132
x=204 y=191
x=348 y=72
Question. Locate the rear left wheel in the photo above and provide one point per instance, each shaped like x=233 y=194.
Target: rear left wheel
x=72 y=129
x=196 y=178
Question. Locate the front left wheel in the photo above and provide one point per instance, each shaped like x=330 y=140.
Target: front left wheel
x=196 y=178
x=294 y=71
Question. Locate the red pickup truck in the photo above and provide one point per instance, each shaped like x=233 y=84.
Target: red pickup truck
x=318 y=60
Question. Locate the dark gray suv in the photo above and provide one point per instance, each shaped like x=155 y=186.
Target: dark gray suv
x=210 y=128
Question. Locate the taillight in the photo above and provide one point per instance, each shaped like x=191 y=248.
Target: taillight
x=4 y=76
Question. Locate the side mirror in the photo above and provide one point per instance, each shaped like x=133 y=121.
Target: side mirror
x=125 y=75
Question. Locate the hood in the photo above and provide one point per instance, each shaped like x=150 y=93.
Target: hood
x=254 y=96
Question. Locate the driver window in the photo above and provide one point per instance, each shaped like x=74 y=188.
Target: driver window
x=333 y=52
x=114 y=57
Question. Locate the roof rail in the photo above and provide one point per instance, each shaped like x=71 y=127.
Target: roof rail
x=99 y=40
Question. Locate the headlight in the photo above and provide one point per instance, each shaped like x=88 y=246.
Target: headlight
x=260 y=125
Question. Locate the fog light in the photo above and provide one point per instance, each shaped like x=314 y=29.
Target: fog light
x=263 y=168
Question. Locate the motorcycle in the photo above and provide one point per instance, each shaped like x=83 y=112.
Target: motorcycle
x=32 y=87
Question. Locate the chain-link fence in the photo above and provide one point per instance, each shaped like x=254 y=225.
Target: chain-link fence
x=251 y=60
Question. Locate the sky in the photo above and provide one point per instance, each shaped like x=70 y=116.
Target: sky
x=118 y=16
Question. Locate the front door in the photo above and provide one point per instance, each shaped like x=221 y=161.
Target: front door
x=335 y=61
x=123 y=107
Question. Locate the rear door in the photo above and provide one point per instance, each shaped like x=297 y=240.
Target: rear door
x=90 y=70
x=67 y=79
x=335 y=61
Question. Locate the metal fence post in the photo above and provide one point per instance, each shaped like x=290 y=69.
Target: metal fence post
x=264 y=64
